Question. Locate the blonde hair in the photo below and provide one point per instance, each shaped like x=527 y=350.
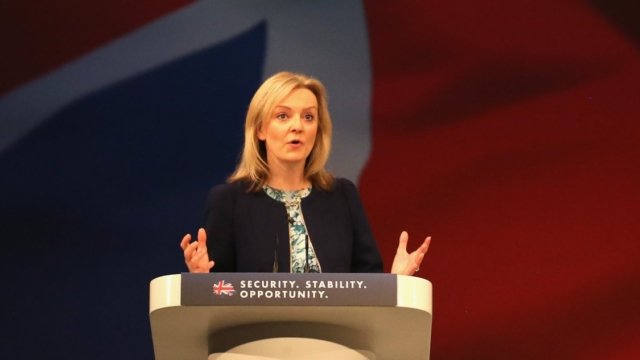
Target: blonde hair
x=253 y=164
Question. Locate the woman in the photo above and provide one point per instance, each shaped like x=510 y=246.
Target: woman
x=280 y=210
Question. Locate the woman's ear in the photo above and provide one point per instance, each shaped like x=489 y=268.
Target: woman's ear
x=260 y=133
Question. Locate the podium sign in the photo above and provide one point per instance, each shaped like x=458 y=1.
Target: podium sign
x=244 y=289
x=217 y=315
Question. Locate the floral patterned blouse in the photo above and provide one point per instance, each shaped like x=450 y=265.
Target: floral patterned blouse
x=297 y=228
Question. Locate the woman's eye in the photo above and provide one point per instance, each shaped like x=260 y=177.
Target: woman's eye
x=308 y=117
x=282 y=116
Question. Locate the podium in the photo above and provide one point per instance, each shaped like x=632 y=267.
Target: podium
x=252 y=316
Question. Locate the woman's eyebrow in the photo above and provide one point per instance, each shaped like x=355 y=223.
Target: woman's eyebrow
x=288 y=108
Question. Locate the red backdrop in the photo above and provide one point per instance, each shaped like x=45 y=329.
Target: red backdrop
x=514 y=127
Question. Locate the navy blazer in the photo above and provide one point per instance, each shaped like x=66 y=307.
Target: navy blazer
x=242 y=228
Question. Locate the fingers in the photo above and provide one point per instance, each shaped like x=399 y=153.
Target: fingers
x=188 y=252
x=185 y=241
x=197 y=258
x=417 y=260
x=201 y=263
x=402 y=244
x=202 y=237
x=203 y=269
x=404 y=239
x=210 y=265
x=195 y=254
x=202 y=240
x=200 y=244
x=417 y=257
x=425 y=245
x=412 y=268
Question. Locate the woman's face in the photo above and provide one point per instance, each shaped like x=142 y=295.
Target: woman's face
x=290 y=131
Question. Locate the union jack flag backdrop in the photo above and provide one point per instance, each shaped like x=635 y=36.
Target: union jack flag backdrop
x=507 y=130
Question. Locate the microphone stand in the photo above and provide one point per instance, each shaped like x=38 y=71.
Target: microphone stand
x=306 y=254
x=275 y=256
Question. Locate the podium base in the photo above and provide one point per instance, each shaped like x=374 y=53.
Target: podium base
x=292 y=348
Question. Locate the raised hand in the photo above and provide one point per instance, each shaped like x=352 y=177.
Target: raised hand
x=195 y=254
x=405 y=263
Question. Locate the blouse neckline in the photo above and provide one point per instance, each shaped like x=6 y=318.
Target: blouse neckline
x=287 y=196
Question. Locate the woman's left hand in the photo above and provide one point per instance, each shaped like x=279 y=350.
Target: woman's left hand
x=405 y=263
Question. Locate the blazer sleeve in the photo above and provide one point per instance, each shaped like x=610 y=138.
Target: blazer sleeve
x=365 y=254
x=218 y=223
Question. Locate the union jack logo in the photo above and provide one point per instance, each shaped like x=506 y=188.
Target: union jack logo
x=223 y=288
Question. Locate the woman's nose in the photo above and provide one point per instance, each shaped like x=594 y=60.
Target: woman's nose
x=296 y=124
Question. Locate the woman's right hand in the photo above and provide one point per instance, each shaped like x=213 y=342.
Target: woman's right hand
x=195 y=254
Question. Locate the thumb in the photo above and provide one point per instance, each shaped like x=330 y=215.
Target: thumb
x=402 y=244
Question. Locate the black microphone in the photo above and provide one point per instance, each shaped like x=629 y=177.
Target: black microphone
x=306 y=253
x=275 y=256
